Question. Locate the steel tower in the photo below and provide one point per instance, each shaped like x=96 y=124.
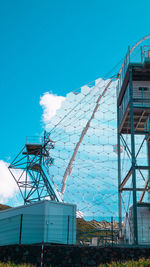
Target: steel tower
x=133 y=117
x=30 y=170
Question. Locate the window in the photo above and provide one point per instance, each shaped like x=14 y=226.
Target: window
x=143 y=88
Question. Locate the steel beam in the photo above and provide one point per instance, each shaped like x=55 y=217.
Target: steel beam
x=119 y=174
x=137 y=189
x=148 y=158
x=133 y=158
x=145 y=187
x=125 y=180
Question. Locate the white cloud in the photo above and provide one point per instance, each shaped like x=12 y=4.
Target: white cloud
x=50 y=103
x=8 y=188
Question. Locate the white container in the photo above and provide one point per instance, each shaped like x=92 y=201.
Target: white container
x=143 y=224
x=94 y=241
x=48 y=221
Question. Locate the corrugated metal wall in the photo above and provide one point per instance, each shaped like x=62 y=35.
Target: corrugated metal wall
x=10 y=230
x=47 y=225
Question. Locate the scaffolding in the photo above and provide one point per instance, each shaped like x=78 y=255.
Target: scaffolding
x=133 y=113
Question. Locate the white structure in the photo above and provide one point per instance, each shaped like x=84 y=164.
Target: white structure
x=143 y=223
x=48 y=221
x=94 y=241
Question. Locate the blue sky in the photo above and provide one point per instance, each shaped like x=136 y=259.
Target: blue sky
x=57 y=46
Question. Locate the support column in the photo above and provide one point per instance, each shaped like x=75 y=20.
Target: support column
x=119 y=173
x=148 y=157
x=135 y=233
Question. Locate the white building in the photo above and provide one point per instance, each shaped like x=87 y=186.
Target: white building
x=48 y=221
x=143 y=224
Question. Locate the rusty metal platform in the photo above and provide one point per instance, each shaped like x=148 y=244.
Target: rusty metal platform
x=33 y=149
x=140 y=117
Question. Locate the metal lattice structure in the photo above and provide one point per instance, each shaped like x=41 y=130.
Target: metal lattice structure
x=85 y=131
x=30 y=169
x=133 y=112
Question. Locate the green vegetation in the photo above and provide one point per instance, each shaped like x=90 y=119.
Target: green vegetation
x=4 y=207
x=9 y=264
x=102 y=230
x=140 y=263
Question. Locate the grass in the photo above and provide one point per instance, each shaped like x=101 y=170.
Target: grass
x=140 y=263
x=9 y=264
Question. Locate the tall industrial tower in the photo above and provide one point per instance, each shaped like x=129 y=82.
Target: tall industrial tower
x=30 y=170
x=133 y=116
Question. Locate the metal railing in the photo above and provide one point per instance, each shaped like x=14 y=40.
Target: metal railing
x=34 y=140
x=140 y=55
